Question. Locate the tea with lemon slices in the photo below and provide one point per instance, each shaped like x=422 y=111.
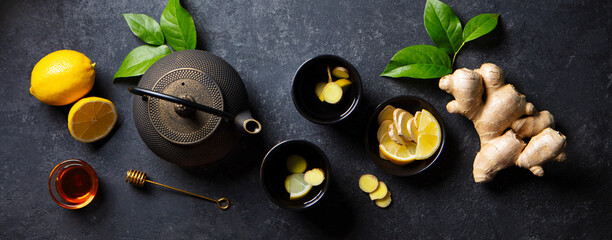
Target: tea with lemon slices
x=287 y=175
x=299 y=182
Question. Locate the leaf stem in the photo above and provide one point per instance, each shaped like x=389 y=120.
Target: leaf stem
x=455 y=55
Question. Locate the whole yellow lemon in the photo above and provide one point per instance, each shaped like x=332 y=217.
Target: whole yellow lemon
x=62 y=77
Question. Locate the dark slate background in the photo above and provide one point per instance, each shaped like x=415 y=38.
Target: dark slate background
x=556 y=52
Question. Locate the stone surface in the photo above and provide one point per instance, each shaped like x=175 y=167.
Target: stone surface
x=555 y=52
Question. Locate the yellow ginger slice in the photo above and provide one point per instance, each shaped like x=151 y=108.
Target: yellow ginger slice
x=402 y=126
x=340 y=72
x=368 y=183
x=314 y=176
x=380 y=192
x=384 y=202
x=296 y=164
x=394 y=135
x=386 y=114
x=332 y=93
x=396 y=114
x=412 y=129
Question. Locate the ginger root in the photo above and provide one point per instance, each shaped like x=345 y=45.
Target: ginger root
x=503 y=119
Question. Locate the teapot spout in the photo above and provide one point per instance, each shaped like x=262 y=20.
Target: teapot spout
x=245 y=121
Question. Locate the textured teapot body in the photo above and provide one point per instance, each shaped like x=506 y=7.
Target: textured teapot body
x=209 y=80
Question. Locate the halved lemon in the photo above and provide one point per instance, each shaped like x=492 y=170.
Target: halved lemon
x=91 y=119
x=396 y=153
x=296 y=186
x=429 y=136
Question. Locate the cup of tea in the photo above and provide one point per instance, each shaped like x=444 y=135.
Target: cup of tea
x=274 y=173
x=73 y=184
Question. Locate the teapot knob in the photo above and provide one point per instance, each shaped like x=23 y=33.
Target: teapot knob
x=182 y=110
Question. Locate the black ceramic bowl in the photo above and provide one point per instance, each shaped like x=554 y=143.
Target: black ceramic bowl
x=308 y=104
x=412 y=105
x=274 y=171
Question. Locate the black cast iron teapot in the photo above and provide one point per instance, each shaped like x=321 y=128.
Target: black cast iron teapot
x=191 y=107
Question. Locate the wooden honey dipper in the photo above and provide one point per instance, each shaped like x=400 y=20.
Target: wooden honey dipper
x=139 y=178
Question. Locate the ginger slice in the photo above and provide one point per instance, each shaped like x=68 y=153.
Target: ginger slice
x=397 y=113
x=332 y=93
x=386 y=114
x=412 y=129
x=296 y=164
x=384 y=202
x=314 y=177
x=340 y=72
x=402 y=126
x=413 y=126
x=381 y=192
x=394 y=135
x=368 y=183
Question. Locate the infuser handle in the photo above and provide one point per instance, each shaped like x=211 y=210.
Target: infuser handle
x=170 y=98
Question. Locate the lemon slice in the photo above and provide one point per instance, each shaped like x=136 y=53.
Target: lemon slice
x=384 y=128
x=429 y=136
x=319 y=90
x=343 y=82
x=396 y=153
x=91 y=119
x=296 y=186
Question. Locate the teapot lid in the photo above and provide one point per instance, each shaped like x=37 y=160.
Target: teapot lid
x=177 y=123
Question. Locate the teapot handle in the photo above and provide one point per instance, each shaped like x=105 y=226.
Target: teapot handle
x=170 y=98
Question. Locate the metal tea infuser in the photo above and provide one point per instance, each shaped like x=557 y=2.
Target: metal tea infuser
x=138 y=178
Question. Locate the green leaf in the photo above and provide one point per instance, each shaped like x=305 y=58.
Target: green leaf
x=419 y=61
x=178 y=27
x=145 y=28
x=443 y=26
x=140 y=59
x=480 y=25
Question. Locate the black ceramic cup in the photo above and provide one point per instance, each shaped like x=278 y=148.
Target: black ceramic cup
x=307 y=102
x=274 y=171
